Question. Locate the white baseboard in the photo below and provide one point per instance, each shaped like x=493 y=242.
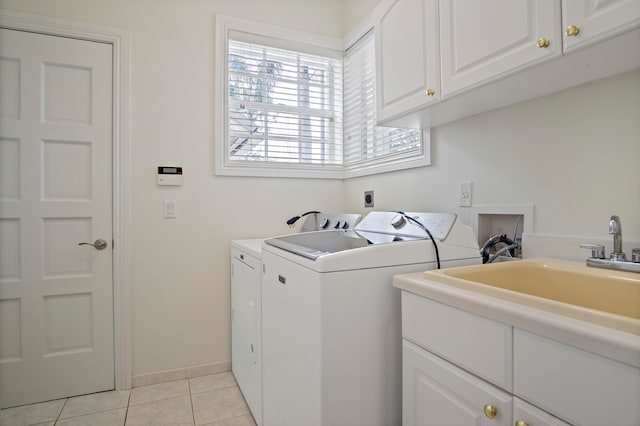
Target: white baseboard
x=180 y=373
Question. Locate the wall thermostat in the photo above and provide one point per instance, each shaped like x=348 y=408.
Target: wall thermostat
x=169 y=175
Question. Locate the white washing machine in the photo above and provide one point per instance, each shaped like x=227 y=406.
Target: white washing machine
x=246 y=352
x=331 y=322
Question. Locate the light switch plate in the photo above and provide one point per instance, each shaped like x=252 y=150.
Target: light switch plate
x=170 y=209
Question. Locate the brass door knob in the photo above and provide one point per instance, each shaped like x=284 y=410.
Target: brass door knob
x=543 y=43
x=572 y=31
x=521 y=423
x=430 y=92
x=490 y=411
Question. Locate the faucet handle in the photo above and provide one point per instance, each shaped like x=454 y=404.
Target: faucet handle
x=597 y=250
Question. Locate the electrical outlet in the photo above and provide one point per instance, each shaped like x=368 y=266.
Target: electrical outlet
x=368 y=198
x=466 y=191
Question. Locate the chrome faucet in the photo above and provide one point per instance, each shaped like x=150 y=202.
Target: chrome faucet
x=615 y=229
x=617 y=258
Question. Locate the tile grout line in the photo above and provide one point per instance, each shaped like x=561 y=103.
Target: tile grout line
x=126 y=412
x=66 y=400
x=193 y=414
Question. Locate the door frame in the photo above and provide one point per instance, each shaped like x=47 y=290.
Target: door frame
x=119 y=39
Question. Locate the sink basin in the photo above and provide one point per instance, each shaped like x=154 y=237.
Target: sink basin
x=605 y=297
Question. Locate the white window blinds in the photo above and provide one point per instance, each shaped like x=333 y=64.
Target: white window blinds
x=284 y=106
x=367 y=144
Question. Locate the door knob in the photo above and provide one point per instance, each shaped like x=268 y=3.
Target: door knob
x=99 y=244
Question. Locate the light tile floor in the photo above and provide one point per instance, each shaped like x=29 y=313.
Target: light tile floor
x=206 y=400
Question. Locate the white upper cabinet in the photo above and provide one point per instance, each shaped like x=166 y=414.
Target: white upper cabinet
x=589 y=21
x=407 y=56
x=439 y=61
x=484 y=40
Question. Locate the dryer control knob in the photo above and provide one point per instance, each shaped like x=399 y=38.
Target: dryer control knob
x=325 y=224
x=398 y=221
x=337 y=225
x=346 y=225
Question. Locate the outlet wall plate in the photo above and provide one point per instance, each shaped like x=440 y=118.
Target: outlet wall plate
x=368 y=198
x=466 y=192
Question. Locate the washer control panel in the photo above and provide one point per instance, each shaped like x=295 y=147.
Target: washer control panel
x=330 y=221
x=404 y=224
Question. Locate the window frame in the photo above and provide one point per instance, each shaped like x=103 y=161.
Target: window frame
x=387 y=163
x=223 y=166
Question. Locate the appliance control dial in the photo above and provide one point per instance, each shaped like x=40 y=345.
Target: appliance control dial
x=325 y=224
x=398 y=221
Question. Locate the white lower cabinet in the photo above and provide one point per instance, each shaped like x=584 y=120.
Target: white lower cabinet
x=525 y=414
x=450 y=374
x=579 y=386
x=438 y=393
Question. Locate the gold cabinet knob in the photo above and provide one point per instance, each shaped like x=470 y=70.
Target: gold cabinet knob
x=543 y=43
x=490 y=411
x=521 y=423
x=430 y=92
x=572 y=31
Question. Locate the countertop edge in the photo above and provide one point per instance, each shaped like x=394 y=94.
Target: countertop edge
x=607 y=342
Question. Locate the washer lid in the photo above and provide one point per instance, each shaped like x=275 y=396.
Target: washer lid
x=315 y=244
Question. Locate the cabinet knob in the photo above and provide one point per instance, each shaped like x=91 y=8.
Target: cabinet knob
x=430 y=92
x=572 y=31
x=490 y=411
x=543 y=43
x=521 y=423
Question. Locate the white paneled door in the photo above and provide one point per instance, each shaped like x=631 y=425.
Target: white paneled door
x=56 y=296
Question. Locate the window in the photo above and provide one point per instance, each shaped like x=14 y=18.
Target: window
x=282 y=106
x=278 y=102
x=279 y=107
x=369 y=148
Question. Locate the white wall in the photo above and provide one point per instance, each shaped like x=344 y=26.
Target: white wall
x=181 y=267
x=574 y=155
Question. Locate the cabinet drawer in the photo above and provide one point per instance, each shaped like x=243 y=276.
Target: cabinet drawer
x=477 y=344
x=578 y=386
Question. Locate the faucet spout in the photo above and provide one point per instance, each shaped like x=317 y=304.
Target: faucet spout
x=615 y=229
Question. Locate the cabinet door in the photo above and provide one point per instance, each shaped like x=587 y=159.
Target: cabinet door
x=407 y=56
x=578 y=386
x=592 y=21
x=485 y=40
x=525 y=414
x=435 y=392
x=245 y=328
